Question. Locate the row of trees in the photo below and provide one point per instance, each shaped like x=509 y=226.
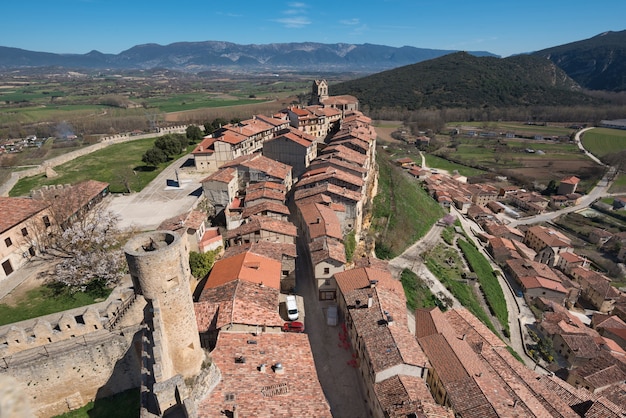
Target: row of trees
x=165 y=147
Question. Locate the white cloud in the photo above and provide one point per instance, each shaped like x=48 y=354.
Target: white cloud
x=294 y=22
x=350 y=22
x=297 y=16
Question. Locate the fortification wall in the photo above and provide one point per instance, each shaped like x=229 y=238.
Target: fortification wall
x=62 y=376
x=67 y=325
x=6 y=187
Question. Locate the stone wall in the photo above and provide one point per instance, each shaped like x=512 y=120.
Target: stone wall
x=73 y=324
x=6 y=187
x=62 y=376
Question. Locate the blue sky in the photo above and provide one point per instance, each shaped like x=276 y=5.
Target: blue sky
x=502 y=27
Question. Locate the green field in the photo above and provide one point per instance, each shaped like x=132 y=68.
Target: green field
x=116 y=164
x=603 y=141
x=432 y=161
x=191 y=101
x=619 y=186
x=518 y=127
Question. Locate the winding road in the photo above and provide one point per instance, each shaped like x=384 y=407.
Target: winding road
x=519 y=313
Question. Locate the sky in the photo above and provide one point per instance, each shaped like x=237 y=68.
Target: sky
x=503 y=27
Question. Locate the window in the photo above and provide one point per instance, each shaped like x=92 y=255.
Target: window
x=24 y=232
x=46 y=221
x=326 y=270
x=31 y=251
x=8 y=242
x=285 y=272
x=7 y=267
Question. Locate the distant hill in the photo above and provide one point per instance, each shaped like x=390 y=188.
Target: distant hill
x=215 y=55
x=597 y=63
x=462 y=80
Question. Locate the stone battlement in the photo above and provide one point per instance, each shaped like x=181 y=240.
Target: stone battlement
x=67 y=325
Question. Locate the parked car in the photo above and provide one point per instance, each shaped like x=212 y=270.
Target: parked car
x=293 y=326
x=292 y=308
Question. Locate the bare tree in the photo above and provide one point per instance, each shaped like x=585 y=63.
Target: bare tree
x=82 y=239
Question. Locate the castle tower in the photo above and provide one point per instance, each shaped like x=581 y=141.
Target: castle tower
x=159 y=266
x=319 y=92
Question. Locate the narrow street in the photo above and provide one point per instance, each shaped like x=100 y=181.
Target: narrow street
x=341 y=382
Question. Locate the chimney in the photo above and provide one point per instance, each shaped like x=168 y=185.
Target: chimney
x=373 y=283
x=235 y=412
x=370 y=301
x=262 y=368
x=278 y=368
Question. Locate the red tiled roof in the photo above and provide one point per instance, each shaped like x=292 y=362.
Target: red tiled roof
x=258 y=223
x=15 y=210
x=246 y=266
x=274 y=250
x=571 y=180
x=263 y=164
x=325 y=248
x=294 y=393
x=320 y=221
x=265 y=207
x=237 y=302
x=222 y=175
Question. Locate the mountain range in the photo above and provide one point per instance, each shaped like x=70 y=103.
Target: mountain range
x=215 y=55
x=597 y=63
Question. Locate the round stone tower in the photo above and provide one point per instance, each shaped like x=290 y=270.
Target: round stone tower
x=159 y=267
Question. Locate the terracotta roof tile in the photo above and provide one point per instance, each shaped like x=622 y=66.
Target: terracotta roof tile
x=274 y=250
x=266 y=206
x=320 y=221
x=263 y=223
x=263 y=164
x=18 y=209
x=294 y=393
x=245 y=266
x=238 y=302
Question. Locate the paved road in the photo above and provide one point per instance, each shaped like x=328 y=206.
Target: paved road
x=341 y=382
x=163 y=198
x=600 y=190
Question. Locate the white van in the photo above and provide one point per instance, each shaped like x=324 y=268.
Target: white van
x=292 y=308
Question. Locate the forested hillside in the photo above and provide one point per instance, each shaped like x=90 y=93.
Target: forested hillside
x=460 y=80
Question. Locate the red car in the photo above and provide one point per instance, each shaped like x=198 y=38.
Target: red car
x=294 y=326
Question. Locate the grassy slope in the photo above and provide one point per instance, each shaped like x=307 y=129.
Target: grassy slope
x=403 y=211
x=488 y=281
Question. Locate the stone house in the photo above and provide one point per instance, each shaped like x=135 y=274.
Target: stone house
x=21 y=218
x=260 y=228
x=328 y=257
x=294 y=148
x=576 y=349
x=233 y=141
x=596 y=288
x=568 y=185
x=548 y=243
